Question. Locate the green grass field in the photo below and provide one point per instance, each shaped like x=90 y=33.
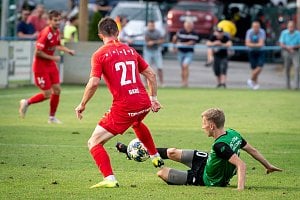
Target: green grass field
x=42 y=161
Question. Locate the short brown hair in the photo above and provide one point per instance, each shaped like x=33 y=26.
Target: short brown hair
x=216 y=116
x=53 y=13
x=108 y=27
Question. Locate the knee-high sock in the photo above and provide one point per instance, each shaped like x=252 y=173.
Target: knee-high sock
x=144 y=135
x=36 y=98
x=54 y=100
x=102 y=160
x=163 y=153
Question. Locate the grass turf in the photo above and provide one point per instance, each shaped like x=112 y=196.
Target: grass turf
x=42 y=161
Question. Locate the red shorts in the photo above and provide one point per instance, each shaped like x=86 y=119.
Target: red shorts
x=44 y=80
x=117 y=122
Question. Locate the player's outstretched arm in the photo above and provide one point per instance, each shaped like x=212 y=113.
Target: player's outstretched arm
x=260 y=158
x=89 y=92
x=241 y=170
x=65 y=49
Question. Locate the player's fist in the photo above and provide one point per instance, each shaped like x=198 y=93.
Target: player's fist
x=71 y=52
x=155 y=105
x=56 y=58
x=78 y=110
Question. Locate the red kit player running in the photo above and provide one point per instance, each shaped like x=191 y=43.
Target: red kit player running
x=45 y=70
x=120 y=66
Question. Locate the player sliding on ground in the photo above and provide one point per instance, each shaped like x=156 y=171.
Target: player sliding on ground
x=121 y=66
x=217 y=167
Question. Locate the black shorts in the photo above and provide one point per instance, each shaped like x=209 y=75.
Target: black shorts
x=256 y=58
x=220 y=65
x=195 y=174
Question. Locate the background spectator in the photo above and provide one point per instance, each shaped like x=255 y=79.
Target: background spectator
x=70 y=30
x=185 y=39
x=37 y=18
x=229 y=29
x=228 y=26
x=25 y=29
x=220 y=41
x=290 y=43
x=123 y=37
x=152 y=49
x=255 y=40
x=104 y=7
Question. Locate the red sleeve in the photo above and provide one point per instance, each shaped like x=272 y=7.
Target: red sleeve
x=96 y=69
x=42 y=40
x=142 y=64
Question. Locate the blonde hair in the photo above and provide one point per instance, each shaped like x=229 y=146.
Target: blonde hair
x=215 y=115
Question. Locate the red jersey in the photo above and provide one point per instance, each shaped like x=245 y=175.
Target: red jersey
x=121 y=66
x=47 y=40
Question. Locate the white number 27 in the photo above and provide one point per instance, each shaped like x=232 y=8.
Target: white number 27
x=124 y=65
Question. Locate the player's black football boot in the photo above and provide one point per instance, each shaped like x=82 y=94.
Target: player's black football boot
x=122 y=148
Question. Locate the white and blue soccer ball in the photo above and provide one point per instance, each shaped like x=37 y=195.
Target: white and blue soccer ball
x=137 y=151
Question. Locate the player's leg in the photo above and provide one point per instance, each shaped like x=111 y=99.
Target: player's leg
x=143 y=134
x=54 y=99
x=42 y=81
x=99 y=137
x=194 y=159
x=173 y=176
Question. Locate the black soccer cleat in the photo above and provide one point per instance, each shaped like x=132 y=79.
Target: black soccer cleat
x=122 y=148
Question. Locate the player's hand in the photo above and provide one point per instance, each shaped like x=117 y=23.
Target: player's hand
x=155 y=105
x=71 y=52
x=56 y=58
x=272 y=168
x=79 y=109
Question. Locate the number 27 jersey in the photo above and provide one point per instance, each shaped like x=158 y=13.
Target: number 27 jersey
x=120 y=66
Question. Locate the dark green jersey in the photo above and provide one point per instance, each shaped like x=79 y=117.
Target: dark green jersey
x=218 y=170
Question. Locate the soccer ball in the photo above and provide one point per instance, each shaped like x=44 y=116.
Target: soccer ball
x=137 y=151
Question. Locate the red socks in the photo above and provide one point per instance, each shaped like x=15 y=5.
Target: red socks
x=36 y=98
x=144 y=135
x=54 y=100
x=102 y=160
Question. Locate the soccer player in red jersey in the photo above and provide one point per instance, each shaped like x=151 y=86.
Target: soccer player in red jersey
x=120 y=66
x=46 y=74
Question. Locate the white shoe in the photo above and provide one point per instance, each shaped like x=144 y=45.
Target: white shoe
x=54 y=120
x=23 y=107
x=250 y=83
x=255 y=87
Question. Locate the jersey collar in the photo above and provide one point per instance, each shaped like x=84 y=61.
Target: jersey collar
x=116 y=41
